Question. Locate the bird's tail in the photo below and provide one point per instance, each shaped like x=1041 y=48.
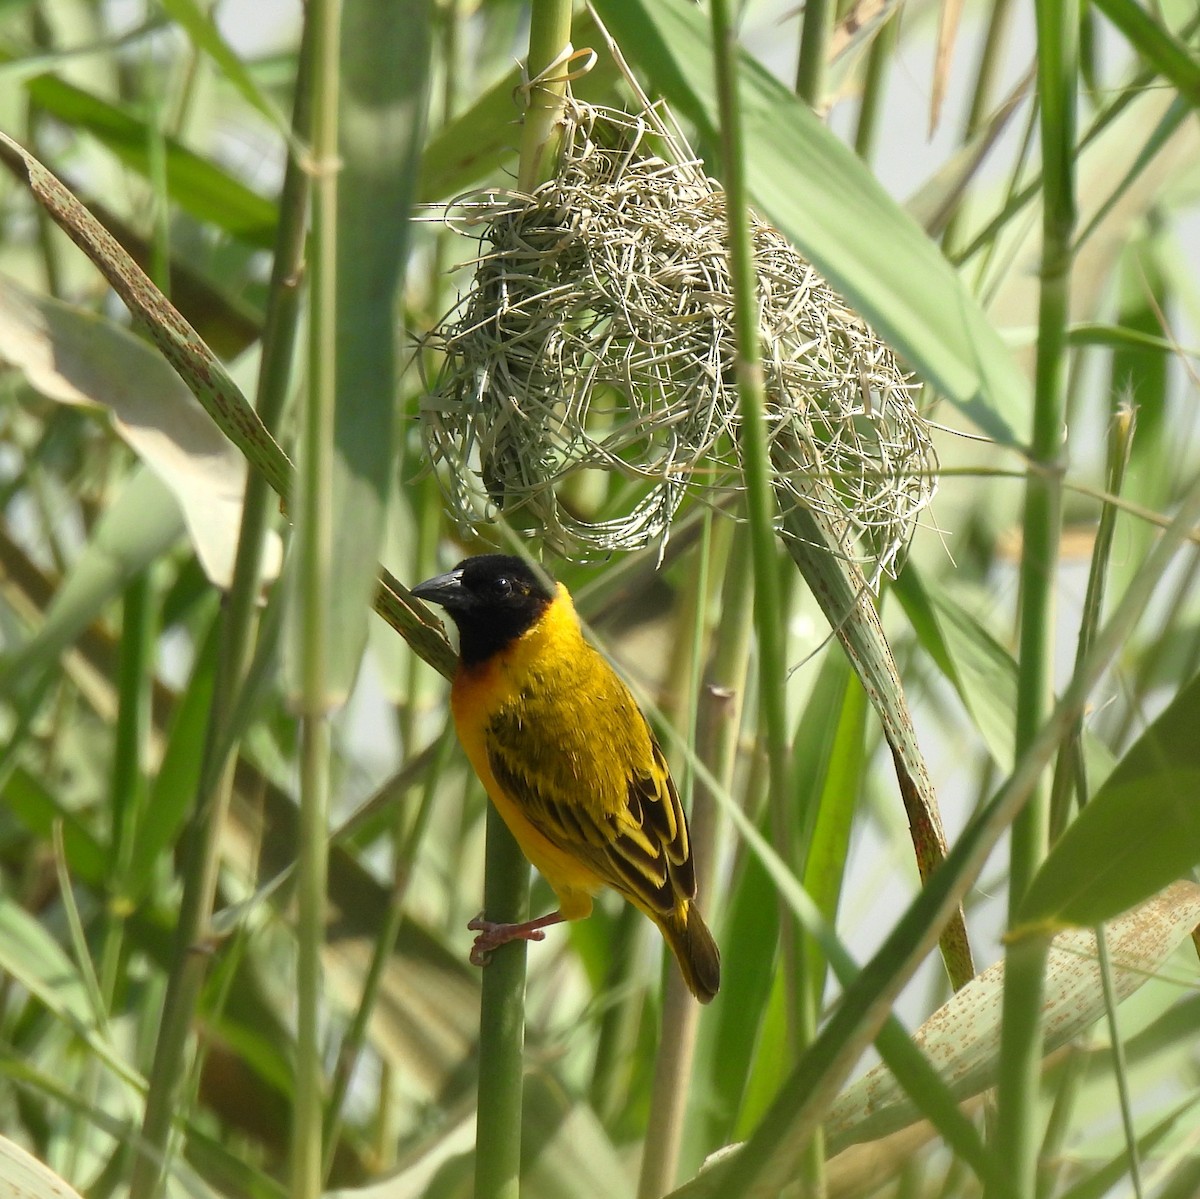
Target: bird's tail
x=695 y=950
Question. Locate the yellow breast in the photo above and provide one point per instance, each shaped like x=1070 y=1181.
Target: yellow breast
x=580 y=732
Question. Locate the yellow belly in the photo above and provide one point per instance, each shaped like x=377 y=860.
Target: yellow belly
x=481 y=693
x=572 y=881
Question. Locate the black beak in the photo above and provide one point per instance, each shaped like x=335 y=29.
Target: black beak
x=445 y=590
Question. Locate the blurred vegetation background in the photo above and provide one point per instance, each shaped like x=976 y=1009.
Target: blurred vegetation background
x=238 y=843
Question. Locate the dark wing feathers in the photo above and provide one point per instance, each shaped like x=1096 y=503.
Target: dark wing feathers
x=664 y=812
x=639 y=846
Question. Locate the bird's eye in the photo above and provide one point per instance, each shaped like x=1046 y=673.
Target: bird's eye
x=502 y=587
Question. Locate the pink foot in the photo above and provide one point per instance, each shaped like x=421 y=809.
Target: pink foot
x=493 y=934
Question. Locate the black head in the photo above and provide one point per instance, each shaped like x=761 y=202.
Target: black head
x=492 y=599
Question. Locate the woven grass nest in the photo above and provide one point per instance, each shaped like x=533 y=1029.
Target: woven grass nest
x=597 y=336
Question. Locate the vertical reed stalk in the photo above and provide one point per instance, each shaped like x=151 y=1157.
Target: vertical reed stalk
x=1068 y=774
x=768 y=607
x=1017 y=1136
x=681 y=1014
x=506 y=873
x=991 y=58
x=501 y=1021
x=874 y=94
x=139 y=627
x=549 y=37
x=314 y=586
x=815 y=30
x=202 y=837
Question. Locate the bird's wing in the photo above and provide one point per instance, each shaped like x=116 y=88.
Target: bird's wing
x=631 y=831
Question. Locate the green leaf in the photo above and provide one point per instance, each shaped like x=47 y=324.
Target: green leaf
x=1157 y=45
x=477 y=142
x=977 y=665
x=736 y=1043
x=842 y=592
x=385 y=53
x=1139 y=831
x=1111 y=1177
x=472 y=145
x=1143 y=294
x=981 y=670
x=202 y=29
x=174 y=786
x=741 y=1039
x=77 y=357
x=198 y=186
x=1131 y=839
x=32 y=958
x=1120 y=337
x=962 y=1038
x=141 y=524
x=39 y=810
x=906 y=1060
x=826 y=201
x=24 y=1175
x=828 y=783
x=196 y=364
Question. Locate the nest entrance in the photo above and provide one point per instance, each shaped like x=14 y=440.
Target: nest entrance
x=597 y=341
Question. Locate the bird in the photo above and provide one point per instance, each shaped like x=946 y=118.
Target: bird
x=567 y=757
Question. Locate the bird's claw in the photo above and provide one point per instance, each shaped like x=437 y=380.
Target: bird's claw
x=494 y=933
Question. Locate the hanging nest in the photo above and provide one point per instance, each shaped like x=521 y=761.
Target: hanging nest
x=598 y=337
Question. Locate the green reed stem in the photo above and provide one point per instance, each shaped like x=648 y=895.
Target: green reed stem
x=501 y=1021
x=385 y=943
x=1070 y=778
x=549 y=35
x=991 y=58
x=139 y=628
x=1021 y=197
x=681 y=1014
x=874 y=94
x=506 y=873
x=1017 y=1134
x=1120 y=1070
x=815 y=30
x=313 y=600
x=1069 y=766
x=768 y=607
x=239 y=619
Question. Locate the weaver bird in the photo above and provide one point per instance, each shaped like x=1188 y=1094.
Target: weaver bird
x=567 y=757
